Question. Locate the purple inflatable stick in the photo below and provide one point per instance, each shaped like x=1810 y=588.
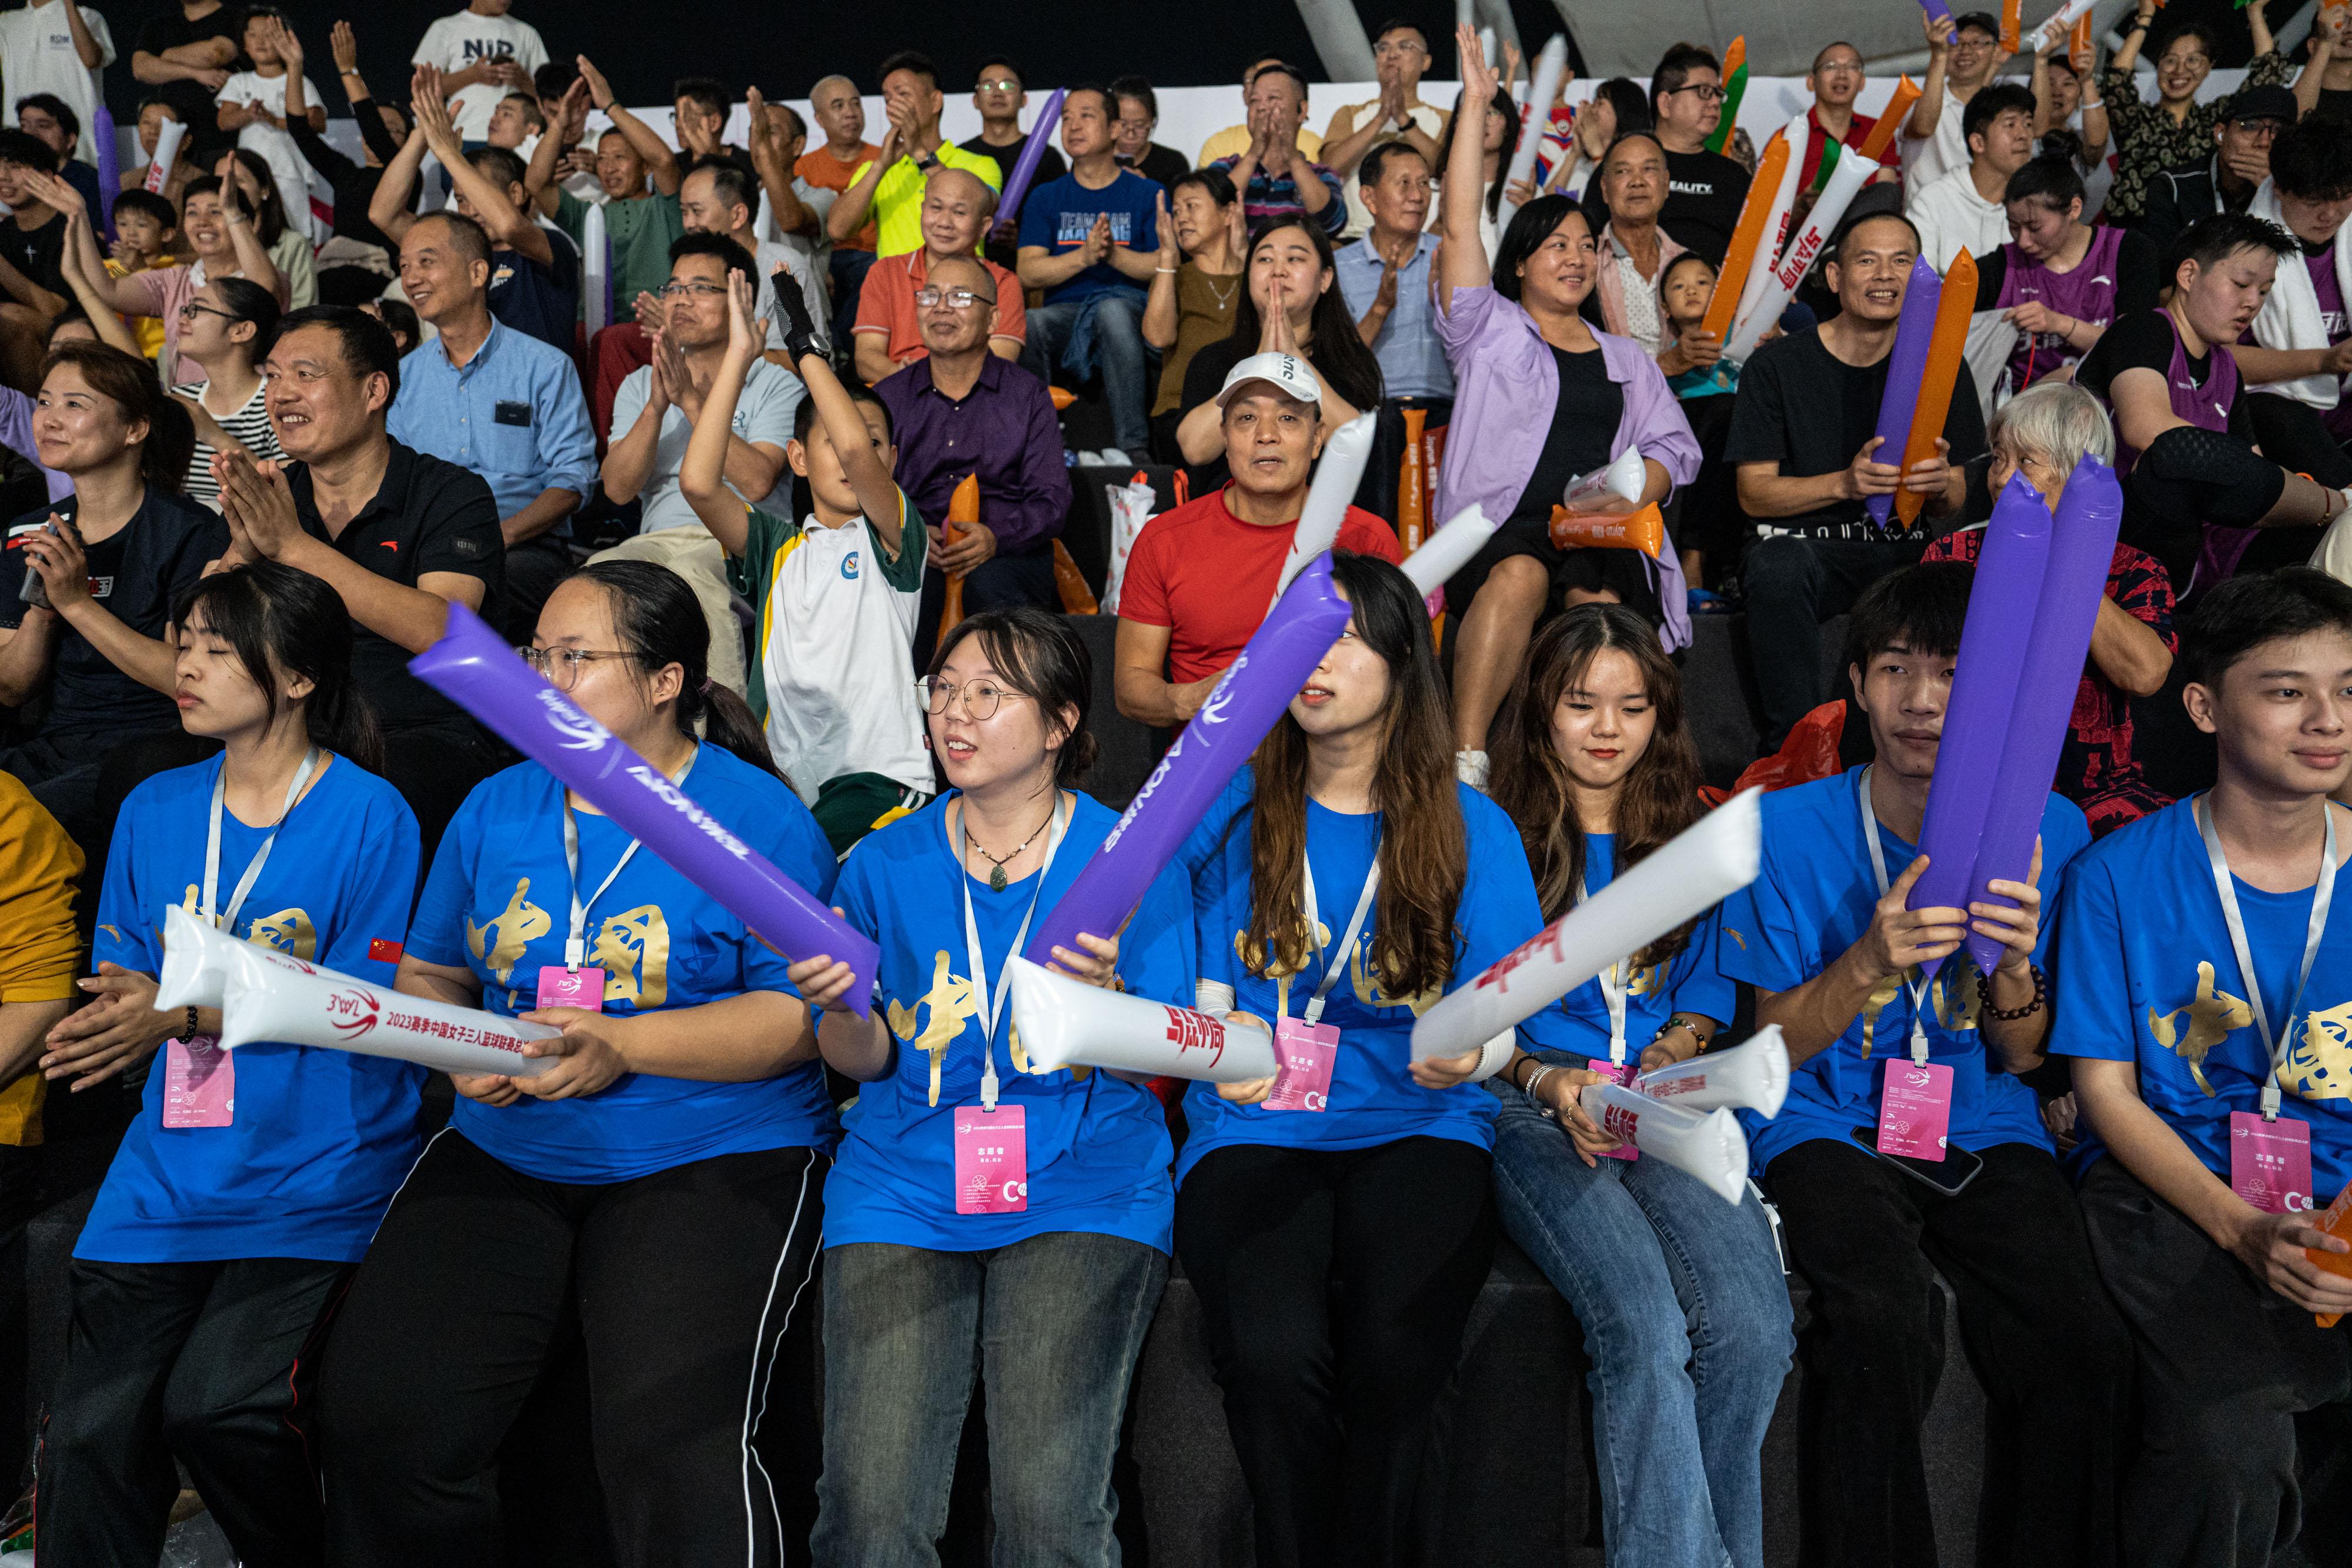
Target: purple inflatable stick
x=1271 y=667
x=109 y=169
x=2081 y=550
x=1907 y=368
x=2010 y=570
x=1937 y=10
x=1032 y=152
x=473 y=668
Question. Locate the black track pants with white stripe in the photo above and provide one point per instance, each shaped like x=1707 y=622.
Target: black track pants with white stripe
x=683 y=1283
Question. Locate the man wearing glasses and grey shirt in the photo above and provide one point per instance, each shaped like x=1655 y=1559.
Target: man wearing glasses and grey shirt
x=654 y=416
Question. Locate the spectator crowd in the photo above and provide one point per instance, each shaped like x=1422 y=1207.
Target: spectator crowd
x=814 y=507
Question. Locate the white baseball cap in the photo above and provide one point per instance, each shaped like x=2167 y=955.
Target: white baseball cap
x=1293 y=377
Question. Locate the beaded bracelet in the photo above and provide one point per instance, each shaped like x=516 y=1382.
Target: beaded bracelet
x=2041 y=996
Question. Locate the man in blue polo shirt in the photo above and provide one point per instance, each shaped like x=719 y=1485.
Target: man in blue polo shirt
x=1892 y=1031
x=2205 y=992
x=493 y=400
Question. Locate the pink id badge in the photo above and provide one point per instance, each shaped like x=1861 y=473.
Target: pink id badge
x=1916 y=1109
x=2270 y=1162
x=560 y=988
x=992 y=1160
x=1619 y=1073
x=1303 y=1053
x=200 y=1083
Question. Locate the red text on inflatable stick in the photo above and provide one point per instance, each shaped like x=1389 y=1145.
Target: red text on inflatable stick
x=352 y=1013
x=1188 y=1031
x=1498 y=973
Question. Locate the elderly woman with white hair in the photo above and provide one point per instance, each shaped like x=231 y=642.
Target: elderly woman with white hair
x=2043 y=432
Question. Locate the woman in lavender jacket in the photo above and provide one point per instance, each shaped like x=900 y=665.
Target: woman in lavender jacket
x=1541 y=398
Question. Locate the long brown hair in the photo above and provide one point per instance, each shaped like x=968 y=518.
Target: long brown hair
x=1423 y=854
x=1660 y=795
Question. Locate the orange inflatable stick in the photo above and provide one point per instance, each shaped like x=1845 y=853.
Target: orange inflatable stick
x=1644 y=530
x=1946 y=352
x=1062 y=397
x=1412 y=484
x=2336 y=1221
x=963 y=507
x=2012 y=25
x=1899 y=108
x=1747 y=239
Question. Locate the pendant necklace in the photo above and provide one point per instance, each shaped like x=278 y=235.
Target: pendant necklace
x=996 y=879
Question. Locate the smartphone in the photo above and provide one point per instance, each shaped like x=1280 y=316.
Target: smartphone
x=33 y=591
x=1950 y=1175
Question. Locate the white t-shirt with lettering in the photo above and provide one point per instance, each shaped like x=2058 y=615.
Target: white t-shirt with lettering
x=457 y=42
x=37 y=54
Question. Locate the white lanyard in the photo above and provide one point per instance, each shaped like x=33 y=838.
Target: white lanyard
x=1878 y=866
x=575 y=946
x=1334 y=965
x=995 y=998
x=2321 y=896
x=261 y=856
x=1615 y=981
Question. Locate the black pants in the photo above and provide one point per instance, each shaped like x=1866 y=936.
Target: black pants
x=2055 y=1358
x=211 y=1363
x=1331 y=1396
x=684 y=1282
x=1793 y=585
x=533 y=569
x=1000 y=582
x=846 y=273
x=2226 y=1364
x=1705 y=515
x=435 y=766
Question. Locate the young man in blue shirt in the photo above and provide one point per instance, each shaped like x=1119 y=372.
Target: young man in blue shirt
x=489 y=398
x=2205 y=985
x=1887 y=1023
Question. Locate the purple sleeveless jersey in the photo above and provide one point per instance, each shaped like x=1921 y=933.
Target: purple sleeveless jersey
x=2086 y=294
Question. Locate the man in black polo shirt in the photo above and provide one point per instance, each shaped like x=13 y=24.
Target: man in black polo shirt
x=400 y=535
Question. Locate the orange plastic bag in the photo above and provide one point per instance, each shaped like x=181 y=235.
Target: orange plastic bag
x=1644 y=530
x=963 y=507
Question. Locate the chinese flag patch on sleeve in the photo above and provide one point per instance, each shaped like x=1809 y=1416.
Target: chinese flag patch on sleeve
x=384 y=952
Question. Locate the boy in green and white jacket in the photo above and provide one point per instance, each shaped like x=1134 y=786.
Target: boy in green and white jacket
x=831 y=677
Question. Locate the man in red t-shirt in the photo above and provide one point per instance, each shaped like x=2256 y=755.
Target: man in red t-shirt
x=1836 y=80
x=1200 y=577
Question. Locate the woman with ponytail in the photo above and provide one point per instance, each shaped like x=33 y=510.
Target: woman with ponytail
x=1685 y=1315
x=1348 y=883
x=248 y=1184
x=2061 y=282
x=102 y=420
x=659 y=1183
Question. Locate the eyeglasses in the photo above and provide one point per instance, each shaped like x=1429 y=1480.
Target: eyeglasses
x=195 y=308
x=559 y=667
x=2186 y=62
x=698 y=289
x=1706 y=93
x=1002 y=84
x=981 y=697
x=957 y=299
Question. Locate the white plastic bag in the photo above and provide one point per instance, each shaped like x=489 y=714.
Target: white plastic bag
x=1130 y=509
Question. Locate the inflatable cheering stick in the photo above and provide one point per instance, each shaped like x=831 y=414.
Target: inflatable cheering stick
x=1708 y=1145
x=473 y=668
x=1065 y=1022
x=1705 y=864
x=1449 y=550
x=1750 y=1076
x=1337 y=474
x=305 y=1005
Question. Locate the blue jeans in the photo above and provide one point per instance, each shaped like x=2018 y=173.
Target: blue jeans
x=1054 y=1323
x=1686 y=1319
x=1119 y=352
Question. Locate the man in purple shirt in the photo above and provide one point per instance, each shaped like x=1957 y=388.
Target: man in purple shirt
x=962 y=410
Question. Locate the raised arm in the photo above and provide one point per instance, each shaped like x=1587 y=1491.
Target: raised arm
x=300 y=110
x=81 y=244
x=849 y=208
x=869 y=476
x=98 y=307
x=506 y=224
x=792 y=214
x=1160 y=313
x=252 y=256
x=540 y=181
x=388 y=209
x=655 y=154
x=1462 y=260
x=1929 y=111
x=702 y=472
x=85 y=44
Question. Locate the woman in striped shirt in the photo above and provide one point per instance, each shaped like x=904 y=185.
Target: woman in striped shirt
x=226 y=327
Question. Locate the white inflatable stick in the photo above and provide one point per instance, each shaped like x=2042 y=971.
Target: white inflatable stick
x=1065 y=1022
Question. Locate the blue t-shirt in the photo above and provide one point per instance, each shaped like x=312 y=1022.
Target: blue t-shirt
x=499 y=902
x=1097 y=1145
x=1059 y=213
x=1811 y=901
x=320 y=1140
x=1373 y=1099
x=1688 y=982
x=2163 y=989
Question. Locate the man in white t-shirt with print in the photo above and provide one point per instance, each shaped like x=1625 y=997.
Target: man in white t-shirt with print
x=655 y=414
x=484 y=54
x=57 y=48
